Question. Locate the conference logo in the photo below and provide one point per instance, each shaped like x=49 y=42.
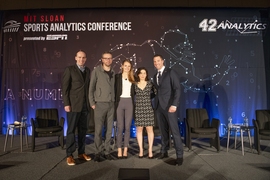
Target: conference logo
x=242 y=26
x=11 y=26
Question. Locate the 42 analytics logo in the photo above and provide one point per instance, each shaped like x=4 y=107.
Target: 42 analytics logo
x=212 y=25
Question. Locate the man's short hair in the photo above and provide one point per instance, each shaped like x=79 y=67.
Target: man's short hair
x=106 y=52
x=158 y=55
x=80 y=51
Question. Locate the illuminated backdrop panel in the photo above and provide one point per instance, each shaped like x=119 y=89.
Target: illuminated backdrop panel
x=218 y=54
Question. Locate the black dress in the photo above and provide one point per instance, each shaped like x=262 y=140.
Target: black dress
x=144 y=113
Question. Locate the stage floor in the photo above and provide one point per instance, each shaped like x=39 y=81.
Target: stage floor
x=202 y=162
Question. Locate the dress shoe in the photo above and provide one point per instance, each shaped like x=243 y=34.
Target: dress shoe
x=108 y=157
x=140 y=157
x=70 y=161
x=97 y=158
x=152 y=157
x=179 y=161
x=162 y=155
x=84 y=157
x=125 y=157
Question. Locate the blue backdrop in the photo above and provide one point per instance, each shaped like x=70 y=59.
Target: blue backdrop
x=219 y=55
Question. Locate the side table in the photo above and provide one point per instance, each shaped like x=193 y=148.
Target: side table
x=239 y=128
x=23 y=130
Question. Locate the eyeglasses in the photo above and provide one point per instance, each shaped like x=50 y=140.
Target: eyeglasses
x=107 y=58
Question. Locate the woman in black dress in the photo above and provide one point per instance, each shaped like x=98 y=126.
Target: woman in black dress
x=144 y=113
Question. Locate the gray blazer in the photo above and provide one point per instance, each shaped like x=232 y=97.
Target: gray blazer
x=101 y=87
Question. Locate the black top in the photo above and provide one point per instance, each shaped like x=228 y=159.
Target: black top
x=118 y=89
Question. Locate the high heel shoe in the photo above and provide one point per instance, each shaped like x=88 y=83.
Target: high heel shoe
x=152 y=157
x=119 y=154
x=140 y=157
x=125 y=153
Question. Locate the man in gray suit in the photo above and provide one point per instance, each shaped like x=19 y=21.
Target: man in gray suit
x=75 y=86
x=166 y=102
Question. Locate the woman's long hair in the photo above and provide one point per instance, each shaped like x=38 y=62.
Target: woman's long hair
x=139 y=72
x=131 y=72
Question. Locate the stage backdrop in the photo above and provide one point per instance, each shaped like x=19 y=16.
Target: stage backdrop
x=217 y=53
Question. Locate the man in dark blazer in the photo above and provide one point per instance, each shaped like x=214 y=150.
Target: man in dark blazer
x=166 y=102
x=75 y=86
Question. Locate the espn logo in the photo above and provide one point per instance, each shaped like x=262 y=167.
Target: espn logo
x=52 y=37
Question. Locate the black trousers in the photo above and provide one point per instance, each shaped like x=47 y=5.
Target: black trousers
x=166 y=122
x=76 y=120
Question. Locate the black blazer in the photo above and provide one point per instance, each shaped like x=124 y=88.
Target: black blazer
x=118 y=89
x=74 y=88
x=118 y=92
x=168 y=91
